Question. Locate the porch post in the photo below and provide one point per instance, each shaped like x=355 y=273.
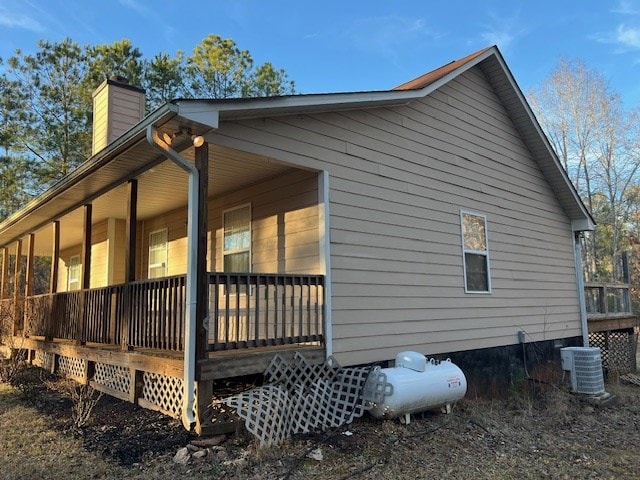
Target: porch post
x=55 y=256
x=17 y=281
x=86 y=247
x=53 y=279
x=202 y=289
x=4 y=280
x=85 y=260
x=130 y=259
x=204 y=389
x=130 y=231
x=28 y=284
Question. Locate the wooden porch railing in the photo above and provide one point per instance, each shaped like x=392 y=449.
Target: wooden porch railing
x=607 y=300
x=252 y=310
x=244 y=311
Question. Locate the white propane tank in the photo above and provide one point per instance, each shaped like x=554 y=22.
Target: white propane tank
x=416 y=384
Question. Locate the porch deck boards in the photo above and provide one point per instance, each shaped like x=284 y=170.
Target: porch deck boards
x=612 y=321
x=218 y=365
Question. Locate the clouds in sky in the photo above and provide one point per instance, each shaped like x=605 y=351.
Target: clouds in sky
x=626 y=36
x=12 y=19
x=386 y=35
x=502 y=30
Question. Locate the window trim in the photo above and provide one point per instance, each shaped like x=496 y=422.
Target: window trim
x=238 y=250
x=79 y=279
x=484 y=253
x=166 y=252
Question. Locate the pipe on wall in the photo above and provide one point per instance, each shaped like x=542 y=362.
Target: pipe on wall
x=188 y=383
x=577 y=252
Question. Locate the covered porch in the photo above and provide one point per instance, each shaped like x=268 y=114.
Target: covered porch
x=95 y=276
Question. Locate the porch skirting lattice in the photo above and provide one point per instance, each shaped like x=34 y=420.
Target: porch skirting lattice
x=112 y=376
x=143 y=380
x=618 y=349
x=163 y=392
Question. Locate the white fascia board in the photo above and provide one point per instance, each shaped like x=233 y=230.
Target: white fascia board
x=582 y=225
x=199 y=111
x=208 y=112
x=588 y=222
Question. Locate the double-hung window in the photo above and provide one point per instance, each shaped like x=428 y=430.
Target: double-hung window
x=158 y=254
x=74 y=270
x=476 y=253
x=236 y=248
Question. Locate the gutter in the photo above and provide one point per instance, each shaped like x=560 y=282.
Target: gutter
x=188 y=382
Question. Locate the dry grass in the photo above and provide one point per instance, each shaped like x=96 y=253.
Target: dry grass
x=551 y=435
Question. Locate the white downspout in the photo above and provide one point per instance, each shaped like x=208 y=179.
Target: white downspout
x=577 y=252
x=188 y=382
x=325 y=256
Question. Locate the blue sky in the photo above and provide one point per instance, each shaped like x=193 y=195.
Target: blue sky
x=335 y=46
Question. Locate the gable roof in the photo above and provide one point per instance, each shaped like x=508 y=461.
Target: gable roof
x=130 y=155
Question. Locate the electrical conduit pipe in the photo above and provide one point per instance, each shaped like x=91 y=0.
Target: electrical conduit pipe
x=188 y=382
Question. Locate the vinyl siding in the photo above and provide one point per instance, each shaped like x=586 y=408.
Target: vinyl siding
x=284 y=227
x=99 y=258
x=398 y=180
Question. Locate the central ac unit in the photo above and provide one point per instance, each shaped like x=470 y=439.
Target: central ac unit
x=585 y=367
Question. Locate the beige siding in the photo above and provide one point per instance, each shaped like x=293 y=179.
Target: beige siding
x=176 y=224
x=284 y=227
x=117 y=246
x=398 y=180
x=107 y=259
x=99 y=255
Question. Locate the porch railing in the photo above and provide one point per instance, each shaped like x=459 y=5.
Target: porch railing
x=244 y=311
x=607 y=300
x=252 y=310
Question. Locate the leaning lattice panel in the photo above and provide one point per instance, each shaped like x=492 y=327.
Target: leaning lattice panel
x=302 y=397
x=112 y=376
x=44 y=360
x=72 y=367
x=162 y=391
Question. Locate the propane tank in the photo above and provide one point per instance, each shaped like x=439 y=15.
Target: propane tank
x=414 y=385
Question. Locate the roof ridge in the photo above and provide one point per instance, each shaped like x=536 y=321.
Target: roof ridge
x=430 y=77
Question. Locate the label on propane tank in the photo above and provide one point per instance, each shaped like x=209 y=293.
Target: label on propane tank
x=454 y=382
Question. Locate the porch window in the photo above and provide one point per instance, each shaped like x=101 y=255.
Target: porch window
x=476 y=253
x=158 y=254
x=74 y=271
x=236 y=248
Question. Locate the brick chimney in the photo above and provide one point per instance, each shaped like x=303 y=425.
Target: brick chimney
x=117 y=106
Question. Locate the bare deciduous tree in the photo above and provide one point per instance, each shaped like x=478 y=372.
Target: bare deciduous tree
x=597 y=141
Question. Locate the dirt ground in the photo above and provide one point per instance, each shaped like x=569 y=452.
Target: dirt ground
x=535 y=434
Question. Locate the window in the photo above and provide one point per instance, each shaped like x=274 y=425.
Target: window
x=74 y=270
x=158 y=254
x=236 y=248
x=476 y=253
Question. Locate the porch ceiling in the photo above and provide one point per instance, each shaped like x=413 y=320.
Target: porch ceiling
x=162 y=188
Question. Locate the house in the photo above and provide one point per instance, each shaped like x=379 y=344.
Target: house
x=204 y=237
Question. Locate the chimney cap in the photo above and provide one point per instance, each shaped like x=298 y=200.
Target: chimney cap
x=118 y=81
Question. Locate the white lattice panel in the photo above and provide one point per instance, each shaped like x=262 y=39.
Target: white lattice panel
x=112 y=376
x=44 y=359
x=302 y=397
x=73 y=367
x=163 y=391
